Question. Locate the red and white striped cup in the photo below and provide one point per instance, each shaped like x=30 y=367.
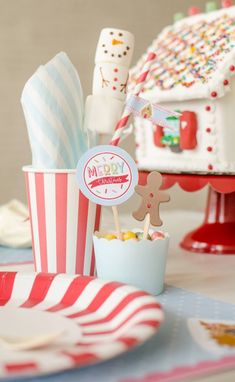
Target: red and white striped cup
x=62 y=222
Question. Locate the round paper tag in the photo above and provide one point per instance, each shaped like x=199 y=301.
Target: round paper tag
x=107 y=175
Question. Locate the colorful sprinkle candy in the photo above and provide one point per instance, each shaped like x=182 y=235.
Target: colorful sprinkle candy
x=110 y=236
x=135 y=236
x=129 y=235
x=140 y=236
x=189 y=53
x=157 y=235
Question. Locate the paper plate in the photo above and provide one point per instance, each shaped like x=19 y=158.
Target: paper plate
x=100 y=319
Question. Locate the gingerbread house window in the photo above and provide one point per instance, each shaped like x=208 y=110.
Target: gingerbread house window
x=180 y=135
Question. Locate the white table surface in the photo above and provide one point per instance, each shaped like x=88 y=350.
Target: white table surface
x=211 y=275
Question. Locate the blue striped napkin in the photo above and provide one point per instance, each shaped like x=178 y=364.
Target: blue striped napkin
x=52 y=102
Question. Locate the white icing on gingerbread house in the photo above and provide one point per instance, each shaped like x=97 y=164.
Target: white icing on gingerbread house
x=194 y=74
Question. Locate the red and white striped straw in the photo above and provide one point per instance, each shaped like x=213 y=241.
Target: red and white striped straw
x=123 y=122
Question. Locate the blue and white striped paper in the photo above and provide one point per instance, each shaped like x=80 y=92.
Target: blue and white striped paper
x=52 y=101
x=156 y=114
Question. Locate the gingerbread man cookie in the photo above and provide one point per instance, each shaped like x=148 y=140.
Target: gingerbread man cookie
x=151 y=198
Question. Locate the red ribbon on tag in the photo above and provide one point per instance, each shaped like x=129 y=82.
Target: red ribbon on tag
x=109 y=180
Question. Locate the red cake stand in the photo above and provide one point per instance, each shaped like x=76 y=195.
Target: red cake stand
x=216 y=235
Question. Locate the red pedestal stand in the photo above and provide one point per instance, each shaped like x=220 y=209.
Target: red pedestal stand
x=216 y=235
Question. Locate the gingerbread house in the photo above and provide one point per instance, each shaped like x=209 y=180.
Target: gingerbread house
x=193 y=74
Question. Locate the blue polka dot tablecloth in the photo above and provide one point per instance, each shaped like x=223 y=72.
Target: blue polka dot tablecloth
x=197 y=337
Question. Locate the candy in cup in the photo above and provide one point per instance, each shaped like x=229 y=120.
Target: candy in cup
x=139 y=257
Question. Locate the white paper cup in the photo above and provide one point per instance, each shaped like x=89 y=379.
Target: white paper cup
x=140 y=263
x=62 y=222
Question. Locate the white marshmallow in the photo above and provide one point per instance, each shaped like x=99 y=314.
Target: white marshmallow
x=115 y=45
x=102 y=113
x=110 y=80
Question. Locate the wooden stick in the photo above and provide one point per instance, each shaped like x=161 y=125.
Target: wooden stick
x=146 y=226
x=117 y=222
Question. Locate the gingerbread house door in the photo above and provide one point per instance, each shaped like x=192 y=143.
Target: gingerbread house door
x=188 y=130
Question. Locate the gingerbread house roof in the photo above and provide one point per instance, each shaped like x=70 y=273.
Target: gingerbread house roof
x=195 y=58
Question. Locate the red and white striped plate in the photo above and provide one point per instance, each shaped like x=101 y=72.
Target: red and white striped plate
x=104 y=319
